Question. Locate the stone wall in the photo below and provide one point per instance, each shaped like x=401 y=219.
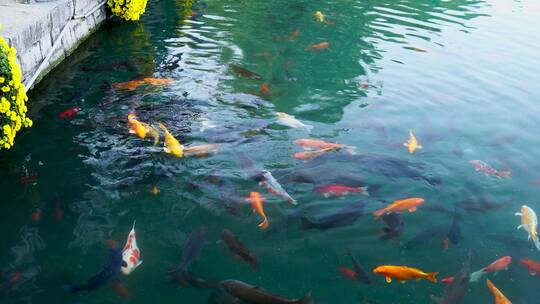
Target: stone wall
x=33 y=29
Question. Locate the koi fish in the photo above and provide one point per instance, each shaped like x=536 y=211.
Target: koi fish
x=394 y=226
x=497 y=294
x=348 y=273
x=273 y=186
x=251 y=294
x=498 y=265
x=37 y=215
x=290 y=121
x=319 y=46
x=265 y=88
x=448 y=280
x=155 y=190
x=344 y=217
x=312 y=154
x=192 y=249
x=134 y=84
x=201 y=150
x=238 y=249
x=488 y=170
x=320 y=17
x=403 y=273
x=257 y=205
x=29 y=178
x=340 y=190
x=245 y=72
x=408 y=204
x=135 y=126
x=360 y=274
x=532 y=266
x=142 y=129
x=171 y=144
x=110 y=270
x=412 y=145
x=121 y=290
x=131 y=255
x=308 y=143
x=69 y=113
x=529 y=222
x=294 y=35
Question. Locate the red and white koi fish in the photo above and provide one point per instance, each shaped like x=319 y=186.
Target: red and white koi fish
x=489 y=170
x=131 y=255
x=498 y=265
x=529 y=222
x=340 y=190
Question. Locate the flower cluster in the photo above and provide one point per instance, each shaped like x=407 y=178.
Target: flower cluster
x=12 y=97
x=128 y=9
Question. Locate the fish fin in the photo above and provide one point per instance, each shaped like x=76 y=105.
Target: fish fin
x=519 y=227
x=388 y=280
x=403 y=281
x=326 y=195
x=293 y=202
x=529 y=237
x=518 y=214
x=137 y=265
x=431 y=277
x=133 y=227
x=413 y=209
x=532 y=273
x=379 y=213
x=264 y=224
x=166 y=150
x=406 y=145
x=364 y=190
x=131 y=131
x=476 y=275
x=537 y=244
x=419 y=147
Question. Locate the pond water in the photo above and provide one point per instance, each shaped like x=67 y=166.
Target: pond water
x=463 y=75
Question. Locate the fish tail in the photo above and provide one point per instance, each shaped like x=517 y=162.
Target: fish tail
x=350 y=150
x=475 y=276
x=309 y=128
x=162 y=127
x=379 y=213
x=364 y=190
x=293 y=201
x=431 y=277
x=536 y=243
x=264 y=224
x=307 y=299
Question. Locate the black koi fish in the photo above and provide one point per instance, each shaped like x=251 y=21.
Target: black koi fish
x=238 y=249
x=254 y=295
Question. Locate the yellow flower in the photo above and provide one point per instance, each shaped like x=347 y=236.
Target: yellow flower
x=5 y=89
x=2 y=79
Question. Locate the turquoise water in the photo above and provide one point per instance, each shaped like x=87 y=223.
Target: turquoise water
x=462 y=74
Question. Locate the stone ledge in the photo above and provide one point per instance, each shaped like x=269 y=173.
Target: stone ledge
x=33 y=28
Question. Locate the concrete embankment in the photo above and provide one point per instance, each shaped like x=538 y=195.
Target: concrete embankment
x=44 y=33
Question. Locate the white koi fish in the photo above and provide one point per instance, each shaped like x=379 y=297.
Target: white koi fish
x=529 y=222
x=131 y=255
x=290 y=121
x=273 y=186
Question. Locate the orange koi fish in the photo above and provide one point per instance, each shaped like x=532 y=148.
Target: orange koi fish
x=403 y=273
x=497 y=294
x=498 y=265
x=408 y=204
x=265 y=88
x=319 y=46
x=294 y=35
x=134 y=84
x=258 y=207
x=308 y=143
x=312 y=154
x=532 y=266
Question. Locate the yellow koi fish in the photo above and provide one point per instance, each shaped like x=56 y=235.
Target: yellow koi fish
x=529 y=222
x=135 y=126
x=412 y=144
x=497 y=294
x=171 y=144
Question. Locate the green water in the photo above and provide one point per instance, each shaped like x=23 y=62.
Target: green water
x=471 y=93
